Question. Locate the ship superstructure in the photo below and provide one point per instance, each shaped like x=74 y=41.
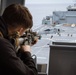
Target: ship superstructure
x=68 y=16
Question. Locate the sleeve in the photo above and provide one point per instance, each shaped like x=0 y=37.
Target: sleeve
x=23 y=66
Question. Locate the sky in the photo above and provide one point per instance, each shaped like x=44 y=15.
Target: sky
x=49 y=1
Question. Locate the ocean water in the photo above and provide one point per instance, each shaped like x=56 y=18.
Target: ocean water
x=40 y=11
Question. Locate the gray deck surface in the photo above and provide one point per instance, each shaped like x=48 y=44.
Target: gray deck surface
x=41 y=49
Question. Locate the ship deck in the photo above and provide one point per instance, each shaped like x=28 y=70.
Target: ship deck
x=41 y=49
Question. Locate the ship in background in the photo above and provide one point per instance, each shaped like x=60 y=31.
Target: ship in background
x=60 y=17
